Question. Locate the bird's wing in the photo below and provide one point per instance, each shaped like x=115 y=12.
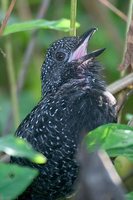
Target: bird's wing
x=48 y=124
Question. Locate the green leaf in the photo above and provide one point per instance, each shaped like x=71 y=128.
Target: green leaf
x=116 y=139
x=18 y=147
x=14 y=180
x=129 y=196
x=60 y=25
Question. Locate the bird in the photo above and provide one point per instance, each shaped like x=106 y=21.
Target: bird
x=74 y=101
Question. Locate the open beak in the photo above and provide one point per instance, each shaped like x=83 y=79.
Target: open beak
x=79 y=53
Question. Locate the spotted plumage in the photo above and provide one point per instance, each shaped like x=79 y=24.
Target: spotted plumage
x=74 y=101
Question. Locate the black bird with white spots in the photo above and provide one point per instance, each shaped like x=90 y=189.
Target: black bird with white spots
x=74 y=101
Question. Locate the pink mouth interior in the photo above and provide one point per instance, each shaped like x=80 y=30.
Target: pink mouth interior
x=80 y=51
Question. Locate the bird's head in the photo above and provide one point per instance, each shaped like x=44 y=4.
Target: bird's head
x=66 y=59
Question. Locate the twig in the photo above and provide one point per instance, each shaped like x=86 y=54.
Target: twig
x=102 y=16
x=121 y=84
x=130 y=123
x=26 y=60
x=3 y=53
x=30 y=48
x=129 y=21
x=73 y=18
x=10 y=69
x=123 y=71
x=5 y=158
x=8 y=13
x=114 y=9
x=124 y=100
x=130 y=13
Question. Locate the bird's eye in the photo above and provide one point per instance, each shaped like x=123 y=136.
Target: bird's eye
x=60 y=56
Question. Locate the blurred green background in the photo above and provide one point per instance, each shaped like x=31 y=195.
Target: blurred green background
x=111 y=35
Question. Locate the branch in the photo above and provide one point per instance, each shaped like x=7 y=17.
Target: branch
x=30 y=48
x=114 y=9
x=8 y=13
x=131 y=122
x=121 y=84
x=102 y=16
x=5 y=158
x=127 y=60
x=9 y=65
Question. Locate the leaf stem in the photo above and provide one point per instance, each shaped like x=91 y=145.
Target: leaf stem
x=73 y=18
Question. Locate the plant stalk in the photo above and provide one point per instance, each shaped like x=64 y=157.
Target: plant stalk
x=73 y=18
x=11 y=73
x=129 y=20
x=123 y=72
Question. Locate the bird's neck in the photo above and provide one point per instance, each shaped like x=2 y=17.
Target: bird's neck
x=83 y=78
